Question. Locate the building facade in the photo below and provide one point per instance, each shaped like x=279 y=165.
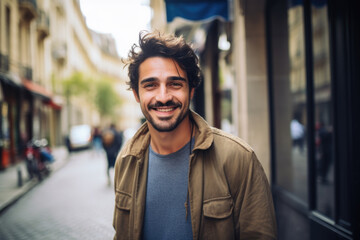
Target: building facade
x=43 y=43
x=26 y=100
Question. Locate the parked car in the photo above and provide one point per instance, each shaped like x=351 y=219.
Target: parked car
x=79 y=137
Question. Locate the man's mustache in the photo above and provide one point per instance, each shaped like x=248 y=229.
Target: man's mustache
x=167 y=104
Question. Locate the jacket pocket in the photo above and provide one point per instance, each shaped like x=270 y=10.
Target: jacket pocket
x=219 y=208
x=218 y=218
x=123 y=202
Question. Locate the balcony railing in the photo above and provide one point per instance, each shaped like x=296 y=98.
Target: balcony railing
x=26 y=72
x=43 y=24
x=28 y=9
x=4 y=63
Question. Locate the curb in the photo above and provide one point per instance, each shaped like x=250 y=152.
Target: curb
x=26 y=188
x=61 y=157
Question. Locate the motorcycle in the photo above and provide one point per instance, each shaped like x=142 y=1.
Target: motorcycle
x=38 y=158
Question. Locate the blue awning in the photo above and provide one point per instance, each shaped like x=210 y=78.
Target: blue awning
x=197 y=10
x=315 y=3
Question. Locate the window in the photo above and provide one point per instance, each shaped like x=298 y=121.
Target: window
x=290 y=104
x=323 y=119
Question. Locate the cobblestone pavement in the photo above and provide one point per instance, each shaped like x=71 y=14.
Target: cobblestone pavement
x=75 y=202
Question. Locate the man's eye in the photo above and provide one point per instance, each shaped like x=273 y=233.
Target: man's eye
x=150 y=85
x=176 y=84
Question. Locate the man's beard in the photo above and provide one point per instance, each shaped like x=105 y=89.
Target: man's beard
x=166 y=127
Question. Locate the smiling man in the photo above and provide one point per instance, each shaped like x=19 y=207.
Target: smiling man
x=165 y=94
x=179 y=178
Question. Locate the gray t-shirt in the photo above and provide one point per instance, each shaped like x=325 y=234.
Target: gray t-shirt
x=165 y=213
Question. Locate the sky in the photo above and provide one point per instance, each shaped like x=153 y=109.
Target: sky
x=124 y=19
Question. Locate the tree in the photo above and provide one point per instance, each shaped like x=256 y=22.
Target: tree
x=99 y=91
x=106 y=99
x=76 y=84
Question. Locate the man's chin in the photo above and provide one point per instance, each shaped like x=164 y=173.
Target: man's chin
x=166 y=123
x=164 y=127
x=163 y=119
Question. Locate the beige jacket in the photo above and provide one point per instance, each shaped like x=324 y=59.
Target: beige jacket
x=229 y=194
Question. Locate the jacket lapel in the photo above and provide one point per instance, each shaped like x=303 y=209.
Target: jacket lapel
x=196 y=185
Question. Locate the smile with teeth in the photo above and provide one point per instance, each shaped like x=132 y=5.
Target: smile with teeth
x=165 y=109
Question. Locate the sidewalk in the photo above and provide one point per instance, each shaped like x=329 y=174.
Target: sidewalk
x=14 y=180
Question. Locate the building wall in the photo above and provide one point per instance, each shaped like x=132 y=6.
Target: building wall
x=251 y=78
x=17 y=46
x=85 y=55
x=158 y=20
x=53 y=52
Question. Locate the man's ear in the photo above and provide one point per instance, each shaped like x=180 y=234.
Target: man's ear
x=136 y=96
x=192 y=93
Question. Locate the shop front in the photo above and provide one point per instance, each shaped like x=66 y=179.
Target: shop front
x=313 y=97
x=10 y=99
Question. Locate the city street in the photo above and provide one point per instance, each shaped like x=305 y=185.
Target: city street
x=75 y=202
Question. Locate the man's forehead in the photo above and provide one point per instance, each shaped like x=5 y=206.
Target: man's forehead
x=160 y=65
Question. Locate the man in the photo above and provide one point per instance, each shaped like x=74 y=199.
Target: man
x=179 y=178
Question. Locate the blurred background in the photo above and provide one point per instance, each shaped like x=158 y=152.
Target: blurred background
x=281 y=74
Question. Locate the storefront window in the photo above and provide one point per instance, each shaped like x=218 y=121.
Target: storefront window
x=322 y=110
x=312 y=104
x=290 y=103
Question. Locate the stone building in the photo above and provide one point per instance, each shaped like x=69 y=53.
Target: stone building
x=42 y=43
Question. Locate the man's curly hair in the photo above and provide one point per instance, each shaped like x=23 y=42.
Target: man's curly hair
x=162 y=45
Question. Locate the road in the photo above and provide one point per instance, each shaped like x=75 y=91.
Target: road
x=74 y=202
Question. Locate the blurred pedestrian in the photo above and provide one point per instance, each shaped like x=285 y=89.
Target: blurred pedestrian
x=179 y=178
x=112 y=141
x=97 y=140
x=324 y=150
x=297 y=134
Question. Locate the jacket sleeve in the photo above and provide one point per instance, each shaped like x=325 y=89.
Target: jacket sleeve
x=115 y=187
x=122 y=202
x=254 y=209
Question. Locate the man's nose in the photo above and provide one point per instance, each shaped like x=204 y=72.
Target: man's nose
x=163 y=95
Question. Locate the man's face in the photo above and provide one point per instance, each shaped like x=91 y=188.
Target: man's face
x=164 y=94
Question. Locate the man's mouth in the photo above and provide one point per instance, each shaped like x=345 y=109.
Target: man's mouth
x=167 y=107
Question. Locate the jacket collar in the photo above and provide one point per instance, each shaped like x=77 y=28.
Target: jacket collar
x=203 y=132
x=139 y=143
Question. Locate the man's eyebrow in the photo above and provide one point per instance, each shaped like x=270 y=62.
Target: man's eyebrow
x=146 y=80
x=152 y=79
x=177 y=78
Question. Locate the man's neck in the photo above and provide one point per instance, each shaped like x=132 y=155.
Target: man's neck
x=169 y=142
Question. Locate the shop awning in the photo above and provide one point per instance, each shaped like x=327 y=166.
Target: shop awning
x=52 y=101
x=197 y=10
x=315 y=3
x=54 y=104
x=36 y=89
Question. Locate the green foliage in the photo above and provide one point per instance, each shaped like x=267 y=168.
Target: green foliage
x=76 y=84
x=100 y=92
x=106 y=99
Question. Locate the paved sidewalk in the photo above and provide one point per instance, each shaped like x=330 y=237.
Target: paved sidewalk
x=15 y=182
